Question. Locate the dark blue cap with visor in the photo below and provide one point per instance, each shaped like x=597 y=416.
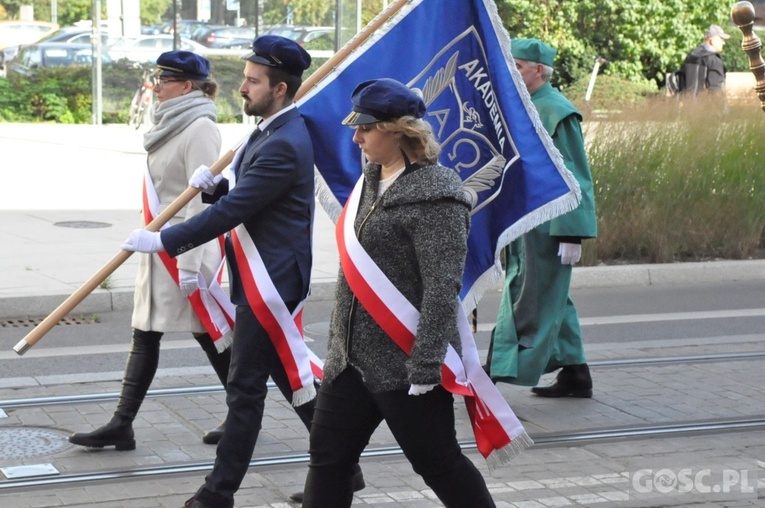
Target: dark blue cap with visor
x=183 y=64
x=381 y=100
x=280 y=52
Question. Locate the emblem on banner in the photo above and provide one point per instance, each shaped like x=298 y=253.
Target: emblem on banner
x=463 y=109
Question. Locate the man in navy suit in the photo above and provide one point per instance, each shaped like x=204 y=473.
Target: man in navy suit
x=270 y=205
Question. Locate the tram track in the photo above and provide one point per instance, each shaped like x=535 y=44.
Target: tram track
x=542 y=440
x=552 y=440
x=214 y=389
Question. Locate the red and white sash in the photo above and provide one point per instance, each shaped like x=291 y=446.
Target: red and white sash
x=498 y=432
x=285 y=329
x=210 y=302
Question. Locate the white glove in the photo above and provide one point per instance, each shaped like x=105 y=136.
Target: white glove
x=204 y=179
x=188 y=282
x=420 y=389
x=569 y=253
x=141 y=240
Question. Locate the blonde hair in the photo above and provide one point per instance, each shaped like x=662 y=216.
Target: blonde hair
x=417 y=140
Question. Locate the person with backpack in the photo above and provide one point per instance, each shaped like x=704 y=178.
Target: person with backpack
x=704 y=68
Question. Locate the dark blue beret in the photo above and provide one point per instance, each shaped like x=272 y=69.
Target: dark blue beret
x=280 y=52
x=183 y=63
x=380 y=100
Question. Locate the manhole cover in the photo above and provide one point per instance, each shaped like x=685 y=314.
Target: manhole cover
x=82 y=224
x=24 y=442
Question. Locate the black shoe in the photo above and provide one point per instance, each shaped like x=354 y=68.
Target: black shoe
x=118 y=433
x=213 y=436
x=572 y=381
x=358 y=484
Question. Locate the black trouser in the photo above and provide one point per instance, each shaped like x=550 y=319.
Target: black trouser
x=253 y=360
x=346 y=416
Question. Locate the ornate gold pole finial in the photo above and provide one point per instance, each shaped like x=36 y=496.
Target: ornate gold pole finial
x=742 y=15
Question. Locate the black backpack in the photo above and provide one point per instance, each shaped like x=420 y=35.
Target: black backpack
x=675 y=82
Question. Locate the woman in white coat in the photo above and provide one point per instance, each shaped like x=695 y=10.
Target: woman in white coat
x=167 y=296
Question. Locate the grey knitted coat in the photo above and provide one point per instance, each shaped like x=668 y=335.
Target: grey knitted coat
x=417 y=235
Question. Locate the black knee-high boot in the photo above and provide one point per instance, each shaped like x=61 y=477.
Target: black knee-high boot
x=220 y=363
x=139 y=373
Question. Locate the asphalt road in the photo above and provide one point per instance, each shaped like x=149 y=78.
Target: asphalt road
x=610 y=317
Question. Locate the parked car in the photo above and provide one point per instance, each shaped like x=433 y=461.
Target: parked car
x=150 y=30
x=147 y=48
x=73 y=34
x=32 y=57
x=188 y=27
x=70 y=34
x=15 y=33
x=224 y=36
x=305 y=34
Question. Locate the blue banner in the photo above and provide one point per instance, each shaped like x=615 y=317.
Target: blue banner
x=457 y=55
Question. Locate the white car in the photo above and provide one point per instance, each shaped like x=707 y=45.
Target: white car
x=147 y=48
x=15 y=33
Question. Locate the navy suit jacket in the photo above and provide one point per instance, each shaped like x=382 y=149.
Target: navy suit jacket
x=274 y=199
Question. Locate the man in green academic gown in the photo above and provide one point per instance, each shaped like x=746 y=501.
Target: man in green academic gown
x=537 y=327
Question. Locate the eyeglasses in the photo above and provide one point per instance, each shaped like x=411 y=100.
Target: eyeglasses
x=161 y=82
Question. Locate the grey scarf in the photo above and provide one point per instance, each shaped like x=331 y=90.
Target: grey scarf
x=174 y=115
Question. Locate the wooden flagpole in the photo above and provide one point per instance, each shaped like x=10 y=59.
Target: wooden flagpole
x=743 y=15
x=93 y=282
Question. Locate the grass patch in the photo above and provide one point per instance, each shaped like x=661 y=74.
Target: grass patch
x=678 y=182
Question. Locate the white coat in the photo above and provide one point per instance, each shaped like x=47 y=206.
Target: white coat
x=158 y=304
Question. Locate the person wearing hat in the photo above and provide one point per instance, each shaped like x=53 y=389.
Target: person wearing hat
x=703 y=68
x=183 y=137
x=411 y=216
x=265 y=207
x=537 y=329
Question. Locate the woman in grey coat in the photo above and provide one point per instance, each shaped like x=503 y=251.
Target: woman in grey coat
x=412 y=221
x=183 y=138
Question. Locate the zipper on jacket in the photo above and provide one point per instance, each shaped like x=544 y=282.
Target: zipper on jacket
x=353 y=299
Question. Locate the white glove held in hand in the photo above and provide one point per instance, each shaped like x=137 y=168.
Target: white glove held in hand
x=420 y=389
x=569 y=253
x=204 y=179
x=141 y=240
x=188 y=282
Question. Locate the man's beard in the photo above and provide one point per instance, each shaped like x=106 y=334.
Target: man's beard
x=260 y=108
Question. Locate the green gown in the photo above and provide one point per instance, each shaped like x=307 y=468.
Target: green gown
x=537 y=328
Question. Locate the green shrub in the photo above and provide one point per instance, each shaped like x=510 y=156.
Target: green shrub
x=13 y=107
x=64 y=94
